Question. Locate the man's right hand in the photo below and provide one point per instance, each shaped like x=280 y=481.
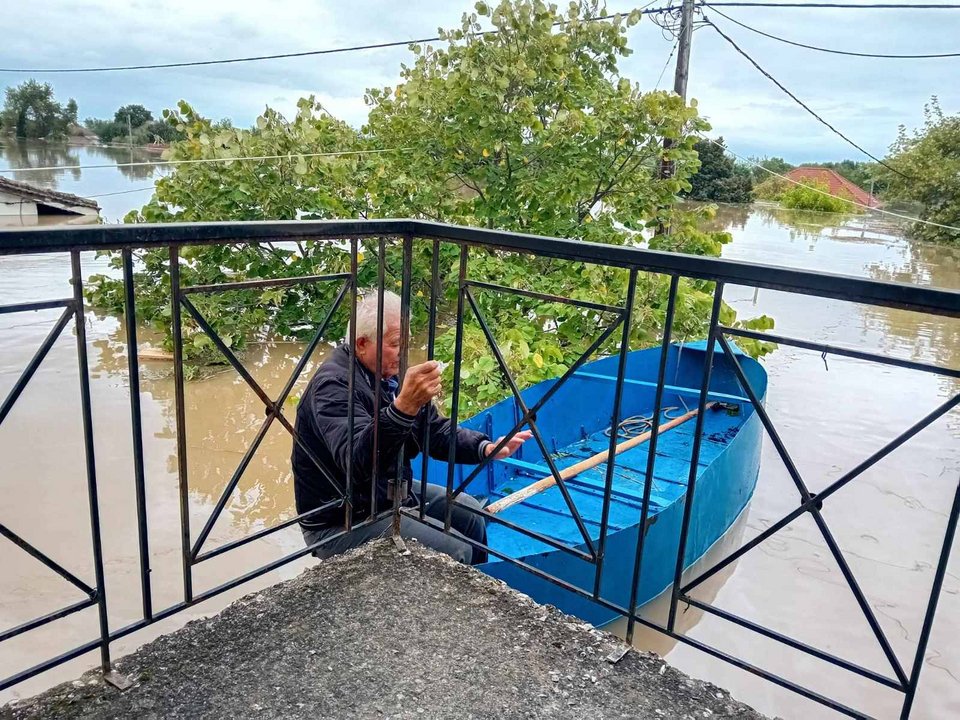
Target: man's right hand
x=420 y=385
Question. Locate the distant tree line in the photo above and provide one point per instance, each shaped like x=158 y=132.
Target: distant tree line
x=134 y=124
x=721 y=179
x=31 y=111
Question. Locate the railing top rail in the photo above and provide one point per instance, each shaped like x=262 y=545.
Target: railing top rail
x=938 y=301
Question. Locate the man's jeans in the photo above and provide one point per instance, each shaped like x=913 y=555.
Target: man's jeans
x=463 y=523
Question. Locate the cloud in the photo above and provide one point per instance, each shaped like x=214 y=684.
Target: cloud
x=866 y=99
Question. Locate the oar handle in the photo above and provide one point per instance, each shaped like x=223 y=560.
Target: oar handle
x=549 y=481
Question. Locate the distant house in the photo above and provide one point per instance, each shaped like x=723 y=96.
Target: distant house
x=24 y=202
x=837 y=184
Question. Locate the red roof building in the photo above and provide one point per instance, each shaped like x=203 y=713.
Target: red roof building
x=837 y=184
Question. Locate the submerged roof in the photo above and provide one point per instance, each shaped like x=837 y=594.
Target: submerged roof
x=45 y=196
x=835 y=182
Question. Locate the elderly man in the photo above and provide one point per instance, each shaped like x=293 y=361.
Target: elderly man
x=322 y=424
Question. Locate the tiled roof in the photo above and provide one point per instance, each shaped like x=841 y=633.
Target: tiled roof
x=837 y=184
x=41 y=195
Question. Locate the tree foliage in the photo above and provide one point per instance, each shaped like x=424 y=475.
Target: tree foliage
x=719 y=179
x=930 y=160
x=772 y=189
x=136 y=115
x=31 y=111
x=775 y=165
x=531 y=129
x=811 y=195
x=142 y=130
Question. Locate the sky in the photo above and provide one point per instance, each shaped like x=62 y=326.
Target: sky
x=867 y=99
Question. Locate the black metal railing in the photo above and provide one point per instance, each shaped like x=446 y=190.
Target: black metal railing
x=348 y=234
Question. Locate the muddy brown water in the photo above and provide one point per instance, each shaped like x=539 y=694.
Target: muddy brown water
x=831 y=415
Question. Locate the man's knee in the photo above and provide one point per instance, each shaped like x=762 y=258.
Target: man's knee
x=468 y=501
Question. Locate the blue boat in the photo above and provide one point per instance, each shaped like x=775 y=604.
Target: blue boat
x=575 y=424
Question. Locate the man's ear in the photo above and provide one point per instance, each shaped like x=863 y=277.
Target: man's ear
x=362 y=343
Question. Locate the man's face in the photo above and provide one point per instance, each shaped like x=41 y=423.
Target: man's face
x=367 y=349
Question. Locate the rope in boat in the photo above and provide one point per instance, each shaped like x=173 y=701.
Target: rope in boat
x=639 y=424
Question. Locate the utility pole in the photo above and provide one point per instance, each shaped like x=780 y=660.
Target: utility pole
x=681 y=73
x=680 y=76
x=129 y=131
x=683 y=50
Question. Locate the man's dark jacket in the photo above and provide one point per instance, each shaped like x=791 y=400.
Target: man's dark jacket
x=322 y=426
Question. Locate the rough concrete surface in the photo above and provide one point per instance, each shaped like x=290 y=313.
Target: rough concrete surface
x=376 y=633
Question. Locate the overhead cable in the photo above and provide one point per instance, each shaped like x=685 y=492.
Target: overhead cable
x=667 y=63
x=838 y=6
x=801 y=103
x=122 y=192
x=754 y=163
x=832 y=50
x=645 y=10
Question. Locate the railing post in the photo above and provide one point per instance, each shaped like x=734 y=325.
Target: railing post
x=614 y=428
x=935 y=590
x=136 y=423
x=431 y=341
x=651 y=454
x=183 y=484
x=455 y=395
x=401 y=482
x=695 y=454
x=86 y=411
x=377 y=378
x=351 y=370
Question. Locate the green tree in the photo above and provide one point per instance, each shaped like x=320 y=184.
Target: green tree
x=930 y=162
x=719 y=179
x=70 y=112
x=809 y=195
x=775 y=165
x=771 y=189
x=31 y=111
x=530 y=128
x=137 y=114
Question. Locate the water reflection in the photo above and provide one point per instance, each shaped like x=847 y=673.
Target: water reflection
x=117 y=189
x=35 y=154
x=658 y=609
x=917 y=336
x=223 y=416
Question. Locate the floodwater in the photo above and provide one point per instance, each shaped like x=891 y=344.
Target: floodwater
x=117 y=188
x=831 y=414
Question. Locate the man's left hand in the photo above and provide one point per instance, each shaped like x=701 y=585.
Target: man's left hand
x=511 y=447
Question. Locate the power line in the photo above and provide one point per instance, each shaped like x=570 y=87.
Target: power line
x=667 y=63
x=307 y=53
x=152 y=163
x=122 y=192
x=836 y=6
x=801 y=103
x=749 y=161
x=830 y=50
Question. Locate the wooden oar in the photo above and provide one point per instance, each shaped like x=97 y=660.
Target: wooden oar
x=549 y=481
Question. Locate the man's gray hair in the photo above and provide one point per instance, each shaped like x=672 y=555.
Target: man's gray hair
x=367 y=312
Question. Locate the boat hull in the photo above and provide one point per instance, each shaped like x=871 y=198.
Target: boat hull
x=725 y=481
